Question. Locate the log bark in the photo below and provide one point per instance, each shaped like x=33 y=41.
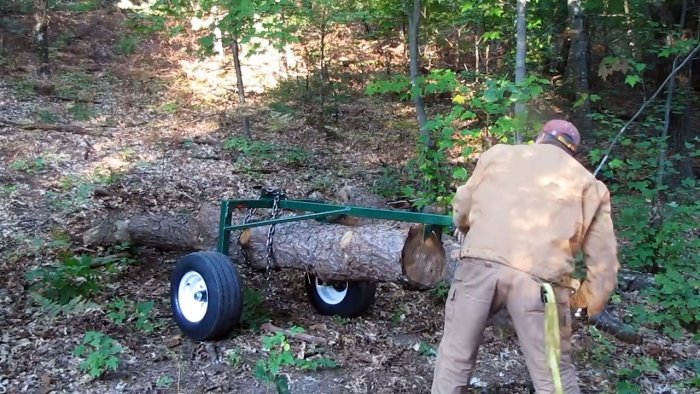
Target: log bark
x=382 y=253
x=177 y=231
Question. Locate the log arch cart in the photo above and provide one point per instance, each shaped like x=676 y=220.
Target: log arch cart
x=342 y=267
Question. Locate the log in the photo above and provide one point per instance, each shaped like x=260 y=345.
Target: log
x=168 y=231
x=55 y=127
x=381 y=253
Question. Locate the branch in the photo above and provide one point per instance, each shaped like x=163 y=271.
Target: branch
x=608 y=323
x=56 y=127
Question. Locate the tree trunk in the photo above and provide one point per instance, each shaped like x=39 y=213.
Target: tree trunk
x=239 y=83
x=520 y=57
x=579 y=72
x=413 y=29
x=634 y=48
x=41 y=37
x=322 y=88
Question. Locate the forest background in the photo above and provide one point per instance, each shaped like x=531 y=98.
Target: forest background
x=119 y=108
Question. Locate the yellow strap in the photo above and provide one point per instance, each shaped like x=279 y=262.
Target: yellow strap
x=551 y=336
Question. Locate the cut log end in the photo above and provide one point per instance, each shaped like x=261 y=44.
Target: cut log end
x=423 y=260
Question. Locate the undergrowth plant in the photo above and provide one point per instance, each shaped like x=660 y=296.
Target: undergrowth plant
x=254 y=314
x=280 y=355
x=100 y=353
x=71 y=277
x=658 y=224
x=122 y=310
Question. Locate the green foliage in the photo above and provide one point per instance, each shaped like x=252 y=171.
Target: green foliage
x=54 y=309
x=82 y=6
x=121 y=310
x=147 y=23
x=637 y=367
x=341 y=320
x=254 y=314
x=127 y=45
x=427 y=349
x=106 y=176
x=476 y=107
x=261 y=152
x=280 y=355
x=8 y=189
x=30 y=166
x=48 y=116
x=165 y=381
x=234 y=358
x=169 y=108
x=388 y=184
x=76 y=85
x=296 y=157
x=259 y=149
x=100 y=351
x=600 y=352
x=71 y=277
x=81 y=111
x=440 y=291
x=657 y=224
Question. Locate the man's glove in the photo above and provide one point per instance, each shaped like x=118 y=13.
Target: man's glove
x=584 y=299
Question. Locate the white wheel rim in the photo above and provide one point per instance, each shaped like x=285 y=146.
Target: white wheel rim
x=192 y=296
x=331 y=294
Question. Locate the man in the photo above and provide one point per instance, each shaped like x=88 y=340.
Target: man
x=525 y=212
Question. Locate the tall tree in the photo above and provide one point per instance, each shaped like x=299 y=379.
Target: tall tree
x=520 y=57
x=41 y=38
x=579 y=64
x=239 y=84
x=414 y=12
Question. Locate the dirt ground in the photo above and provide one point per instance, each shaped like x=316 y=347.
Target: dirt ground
x=153 y=145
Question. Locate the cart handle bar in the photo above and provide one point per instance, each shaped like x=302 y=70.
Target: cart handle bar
x=321 y=210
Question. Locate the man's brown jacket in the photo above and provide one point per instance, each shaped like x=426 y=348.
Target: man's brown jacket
x=534 y=207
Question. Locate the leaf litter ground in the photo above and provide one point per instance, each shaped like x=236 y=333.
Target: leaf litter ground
x=150 y=155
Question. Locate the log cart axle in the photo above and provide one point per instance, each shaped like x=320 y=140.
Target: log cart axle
x=207 y=293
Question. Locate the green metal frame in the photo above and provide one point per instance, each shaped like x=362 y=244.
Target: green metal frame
x=320 y=211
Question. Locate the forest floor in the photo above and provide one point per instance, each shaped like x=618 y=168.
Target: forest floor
x=148 y=144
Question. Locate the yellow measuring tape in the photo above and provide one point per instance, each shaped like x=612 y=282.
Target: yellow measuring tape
x=552 y=341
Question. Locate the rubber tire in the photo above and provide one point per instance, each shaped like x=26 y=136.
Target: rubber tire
x=358 y=299
x=224 y=294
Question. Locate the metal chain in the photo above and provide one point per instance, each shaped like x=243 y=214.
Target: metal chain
x=271 y=262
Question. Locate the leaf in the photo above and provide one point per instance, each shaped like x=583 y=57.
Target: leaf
x=632 y=80
x=459 y=99
x=460 y=173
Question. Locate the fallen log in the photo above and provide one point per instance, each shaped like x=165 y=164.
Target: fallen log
x=381 y=253
x=167 y=231
x=65 y=128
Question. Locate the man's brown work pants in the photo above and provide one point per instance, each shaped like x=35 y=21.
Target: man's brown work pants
x=479 y=289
